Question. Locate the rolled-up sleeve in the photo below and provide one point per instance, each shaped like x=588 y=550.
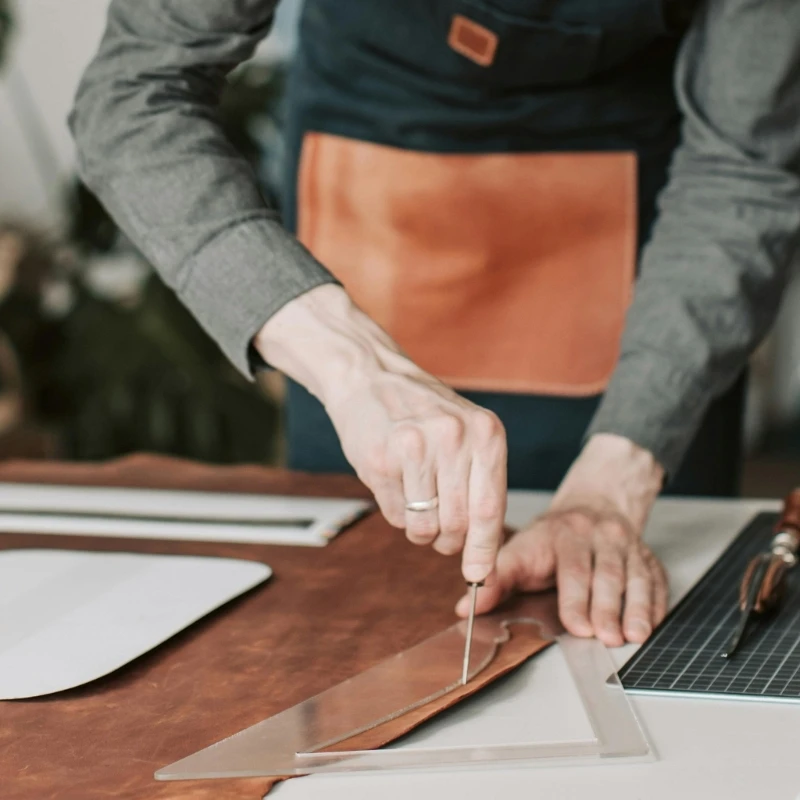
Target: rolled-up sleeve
x=151 y=147
x=728 y=229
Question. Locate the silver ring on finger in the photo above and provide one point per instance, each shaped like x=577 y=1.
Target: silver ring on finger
x=423 y=505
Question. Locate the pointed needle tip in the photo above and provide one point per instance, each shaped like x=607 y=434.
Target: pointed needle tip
x=468 y=643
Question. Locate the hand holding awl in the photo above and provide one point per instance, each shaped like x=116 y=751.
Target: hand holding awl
x=763 y=581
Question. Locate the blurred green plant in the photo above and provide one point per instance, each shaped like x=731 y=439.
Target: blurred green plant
x=111 y=375
x=6 y=26
x=148 y=378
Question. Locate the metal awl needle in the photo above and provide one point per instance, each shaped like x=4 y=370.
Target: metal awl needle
x=470 y=623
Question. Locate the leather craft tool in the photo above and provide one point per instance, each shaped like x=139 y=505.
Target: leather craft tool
x=684 y=654
x=762 y=586
x=473 y=588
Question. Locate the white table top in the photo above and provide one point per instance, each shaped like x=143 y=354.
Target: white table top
x=707 y=749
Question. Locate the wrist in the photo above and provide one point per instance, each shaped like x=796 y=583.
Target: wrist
x=327 y=344
x=621 y=453
x=615 y=472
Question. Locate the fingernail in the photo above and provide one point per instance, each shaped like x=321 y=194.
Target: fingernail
x=475 y=573
x=462 y=606
x=579 y=627
x=612 y=636
x=640 y=628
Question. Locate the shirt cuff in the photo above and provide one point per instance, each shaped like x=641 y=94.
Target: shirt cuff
x=241 y=278
x=653 y=404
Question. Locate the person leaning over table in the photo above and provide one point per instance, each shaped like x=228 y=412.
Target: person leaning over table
x=469 y=172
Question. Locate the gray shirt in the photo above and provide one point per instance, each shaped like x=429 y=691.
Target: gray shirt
x=151 y=147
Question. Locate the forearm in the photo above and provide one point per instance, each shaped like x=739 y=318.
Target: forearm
x=326 y=343
x=712 y=275
x=151 y=147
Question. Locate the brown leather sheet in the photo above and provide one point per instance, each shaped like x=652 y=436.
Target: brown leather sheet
x=326 y=615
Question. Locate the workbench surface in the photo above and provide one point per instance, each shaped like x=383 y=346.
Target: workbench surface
x=736 y=750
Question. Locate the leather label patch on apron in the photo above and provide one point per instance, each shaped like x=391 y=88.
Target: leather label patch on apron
x=497 y=272
x=473 y=41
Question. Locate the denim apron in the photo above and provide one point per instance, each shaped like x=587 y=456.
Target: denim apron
x=428 y=140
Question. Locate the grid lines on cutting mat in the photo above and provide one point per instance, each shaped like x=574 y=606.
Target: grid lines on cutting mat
x=684 y=654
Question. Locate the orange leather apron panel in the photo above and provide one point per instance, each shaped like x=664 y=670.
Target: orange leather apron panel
x=500 y=272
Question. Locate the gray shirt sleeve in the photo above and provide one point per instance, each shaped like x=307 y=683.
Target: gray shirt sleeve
x=729 y=224
x=151 y=147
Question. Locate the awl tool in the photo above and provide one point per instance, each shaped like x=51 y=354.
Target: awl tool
x=761 y=589
x=473 y=587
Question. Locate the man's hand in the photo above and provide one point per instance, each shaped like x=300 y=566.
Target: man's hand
x=589 y=545
x=408 y=436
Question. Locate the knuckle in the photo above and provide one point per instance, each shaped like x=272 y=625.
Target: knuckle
x=540 y=566
x=579 y=572
x=616 y=534
x=423 y=530
x=574 y=522
x=409 y=441
x=574 y=608
x=578 y=516
x=482 y=550
x=486 y=426
x=429 y=527
x=450 y=431
x=650 y=560
x=395 y=517
x=601 y=614
x=454 y=524
x=447 y=545
x=647 y=563
x=489 y=508
x=376 y=462
x=612 y=571
x=396 y=520
x=638 y=570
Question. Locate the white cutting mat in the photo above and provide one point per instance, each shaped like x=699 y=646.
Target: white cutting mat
x=67 y=618
x=167 y=514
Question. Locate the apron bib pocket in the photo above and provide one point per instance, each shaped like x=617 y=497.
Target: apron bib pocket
x=498 y=272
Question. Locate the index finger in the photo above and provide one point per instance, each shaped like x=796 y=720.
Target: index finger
x=488 y=489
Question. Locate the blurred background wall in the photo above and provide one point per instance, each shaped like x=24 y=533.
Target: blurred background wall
x=96 y=358
x=52 y=42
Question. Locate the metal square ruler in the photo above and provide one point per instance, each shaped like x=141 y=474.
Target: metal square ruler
x=294 y=741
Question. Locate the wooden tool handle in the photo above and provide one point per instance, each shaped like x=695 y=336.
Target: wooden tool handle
x=769 y=595
x=790 y=518
x=747 y=579
x=771 y=592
